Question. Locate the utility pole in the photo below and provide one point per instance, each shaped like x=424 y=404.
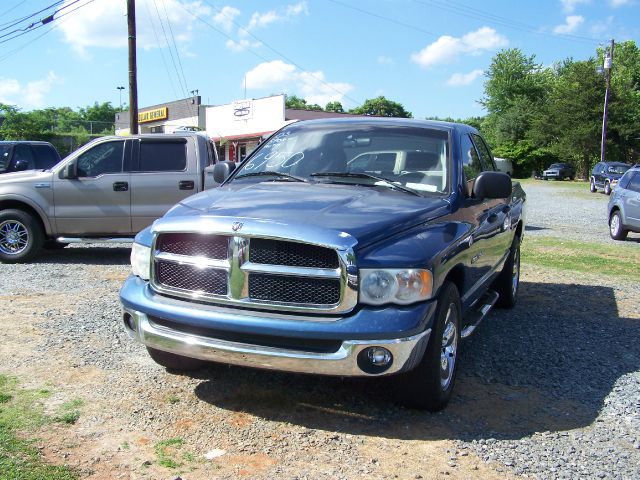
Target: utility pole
x=608 y=64
x=133 y=78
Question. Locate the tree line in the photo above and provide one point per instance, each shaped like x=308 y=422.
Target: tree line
x=66 y=128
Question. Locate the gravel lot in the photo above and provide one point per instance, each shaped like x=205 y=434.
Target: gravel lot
x=550 y=389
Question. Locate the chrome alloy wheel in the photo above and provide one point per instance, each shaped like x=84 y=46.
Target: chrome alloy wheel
x=515 y=272
x=14 y=237
x=449 y=348
x=614 y=225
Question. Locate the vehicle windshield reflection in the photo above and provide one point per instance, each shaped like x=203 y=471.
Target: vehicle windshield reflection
x=408 y=158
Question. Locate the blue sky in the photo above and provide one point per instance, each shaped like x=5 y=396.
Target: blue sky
x=429 y=55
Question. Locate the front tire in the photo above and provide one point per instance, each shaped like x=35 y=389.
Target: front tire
x=616 y=229
x=607 y=188
x=592 y=186
x=508 y=280
x=21 y=236
x=174 y=362
x=430 y=384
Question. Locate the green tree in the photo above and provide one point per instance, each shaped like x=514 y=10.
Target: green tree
x=570 y=124
x=293 y=101
x=381 y=107
x=334 y=107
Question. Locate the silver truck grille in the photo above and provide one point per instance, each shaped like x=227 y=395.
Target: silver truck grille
x=251 y=271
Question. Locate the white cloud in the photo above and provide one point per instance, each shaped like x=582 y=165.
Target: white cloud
x=463 y=79
x=104 y=24
x=312 y=86
x=30 y=95
x=269 y=74
x=241 y=45
x=225 y=18
x=569 y=6
x=261 y=20
x=446 y=48
x=571 y=25
x=619 y=3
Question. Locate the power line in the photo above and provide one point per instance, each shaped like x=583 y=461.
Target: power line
x=20 y=20
x=173 y=61
x=192 y=107
x=468 y=11
x=280 y=54
x=164 y=62
x=32 y=27
x=385 y=18
x=11 y=9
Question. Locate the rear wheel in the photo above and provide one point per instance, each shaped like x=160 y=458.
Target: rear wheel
x=20 y=236
x=175 y=362
x=616 y=229
x=430 y=385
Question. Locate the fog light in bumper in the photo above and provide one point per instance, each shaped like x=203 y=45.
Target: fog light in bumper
x=375 y=360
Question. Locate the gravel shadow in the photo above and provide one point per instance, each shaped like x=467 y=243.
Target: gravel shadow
x=547 y=365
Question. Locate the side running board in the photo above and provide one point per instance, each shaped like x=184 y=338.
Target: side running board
x=480 y=310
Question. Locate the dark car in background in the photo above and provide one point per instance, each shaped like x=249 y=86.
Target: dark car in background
x=20 y=155
x=624 y=205
x=605 y=175
x=559 y=171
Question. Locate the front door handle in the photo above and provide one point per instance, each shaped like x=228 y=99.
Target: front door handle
x=120 y=186
x=186 y=185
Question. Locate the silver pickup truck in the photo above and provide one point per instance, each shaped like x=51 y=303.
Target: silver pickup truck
x=108 y=190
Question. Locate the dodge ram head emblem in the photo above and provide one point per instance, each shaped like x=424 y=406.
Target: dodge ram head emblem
x=235 y=226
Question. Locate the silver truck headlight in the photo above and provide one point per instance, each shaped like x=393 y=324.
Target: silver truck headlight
x=141 y=261
x=402 y=286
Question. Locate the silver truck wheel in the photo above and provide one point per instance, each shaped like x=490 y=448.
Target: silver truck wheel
x=20 y=236
x=430 y=384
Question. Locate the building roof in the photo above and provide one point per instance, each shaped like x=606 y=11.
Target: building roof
x=296 y=114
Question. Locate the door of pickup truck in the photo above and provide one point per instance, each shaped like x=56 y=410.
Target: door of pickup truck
x=164 y=171
x=92 y=193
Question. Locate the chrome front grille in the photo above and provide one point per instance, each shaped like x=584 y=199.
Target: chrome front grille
x=267 y=273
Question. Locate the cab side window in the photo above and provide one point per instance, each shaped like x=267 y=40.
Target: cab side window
x=103 y=158
x=24 y=153
x=485 y=153
x=470 y=160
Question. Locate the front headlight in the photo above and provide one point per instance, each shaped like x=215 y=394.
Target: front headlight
x=141 y=261
x=402 y=286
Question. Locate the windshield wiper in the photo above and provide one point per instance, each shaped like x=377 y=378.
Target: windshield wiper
x=389 y=183
x=283 y=176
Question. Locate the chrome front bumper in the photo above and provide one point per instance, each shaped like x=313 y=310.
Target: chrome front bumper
x=406 y=352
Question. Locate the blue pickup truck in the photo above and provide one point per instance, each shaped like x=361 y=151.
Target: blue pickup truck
x=349 y=247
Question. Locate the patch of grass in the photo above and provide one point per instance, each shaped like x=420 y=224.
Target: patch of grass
x=21 y=410
x=167 y=452
x=125 y=445
x=69 y=412
x=622 y=261
x=172 y=399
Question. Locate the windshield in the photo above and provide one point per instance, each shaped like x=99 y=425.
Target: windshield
x=388 y=156
x=5 y=154
x=557 y=165
x=620 y=169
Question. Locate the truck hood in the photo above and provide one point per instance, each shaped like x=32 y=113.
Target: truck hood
x=26 y=176
x=366 y=213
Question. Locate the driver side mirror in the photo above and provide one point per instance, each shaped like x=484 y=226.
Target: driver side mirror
x=222 y=170
x=20 y=165
x=70 y=171
x=492 y=185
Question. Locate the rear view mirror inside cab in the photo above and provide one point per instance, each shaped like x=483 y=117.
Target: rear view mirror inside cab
x=352 y=142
